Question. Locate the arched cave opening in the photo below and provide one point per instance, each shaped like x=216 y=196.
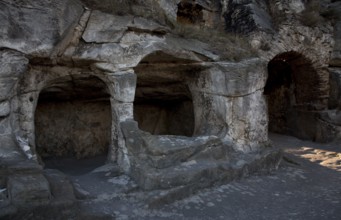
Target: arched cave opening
x=73 y=123
x=189 y=12
x=163 y=103
x=291 y=93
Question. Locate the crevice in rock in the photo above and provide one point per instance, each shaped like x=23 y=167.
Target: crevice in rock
x=158 y=33
x=73 y=37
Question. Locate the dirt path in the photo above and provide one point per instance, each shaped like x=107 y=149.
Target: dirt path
x=307 y=185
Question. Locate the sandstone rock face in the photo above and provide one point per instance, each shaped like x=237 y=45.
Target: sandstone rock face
x=37 y=26
x=171 y=108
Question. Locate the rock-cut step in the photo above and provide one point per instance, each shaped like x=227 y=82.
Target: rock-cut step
x=165 y=151
x=202 y=173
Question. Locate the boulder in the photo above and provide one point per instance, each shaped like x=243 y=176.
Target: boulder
x=61 y=187
x=28 y=189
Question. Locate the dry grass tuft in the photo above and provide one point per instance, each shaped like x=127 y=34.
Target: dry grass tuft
x=229 y=46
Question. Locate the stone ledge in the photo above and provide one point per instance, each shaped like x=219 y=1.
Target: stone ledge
x=221 y=173
x=28 y=190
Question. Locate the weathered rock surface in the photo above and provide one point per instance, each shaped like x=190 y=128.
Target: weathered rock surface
x=162 y=162
x=75 y=128
x=61 y=187
x=9 y=148
x=5 y=109
x=335 y=88
x=336 y=55
x=246 y=16
x=28 y=188
x=12 y=65
x=36 y=27
x=169 y=108
x=108 y=32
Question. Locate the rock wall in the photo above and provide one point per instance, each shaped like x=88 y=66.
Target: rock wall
x=76 y=128
x=13 y=65
x=333 y=116
x=166 y=117
x=313 y=43
x=138 y=53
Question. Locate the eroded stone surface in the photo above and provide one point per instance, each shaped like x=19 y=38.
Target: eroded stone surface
x=9 y=148
x=246 y=16
x=109 y=66
x=110 y=31
x=12 y=65
x=336 y=55
x=75 y=128
x=5 y=109
x=29 y=188
x=35 y=27
x=335 y=85
x=60 y=186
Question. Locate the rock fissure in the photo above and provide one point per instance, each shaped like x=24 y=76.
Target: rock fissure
x=75 y=34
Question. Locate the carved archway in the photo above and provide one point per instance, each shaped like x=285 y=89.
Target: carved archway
x=292 y=94
x=189 y=12
x=73 y=118
x=43 y=83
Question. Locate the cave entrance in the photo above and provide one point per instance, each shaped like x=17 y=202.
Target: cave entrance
x=73 y=122
x=291 y=93
x=189 y=12
x=163 y=103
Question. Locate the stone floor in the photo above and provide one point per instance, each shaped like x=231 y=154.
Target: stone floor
x=306 y=186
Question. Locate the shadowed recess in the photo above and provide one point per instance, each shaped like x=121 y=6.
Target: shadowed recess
x=163 y=103
x=189 y=12
x=291 y=86
x=73 y=118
